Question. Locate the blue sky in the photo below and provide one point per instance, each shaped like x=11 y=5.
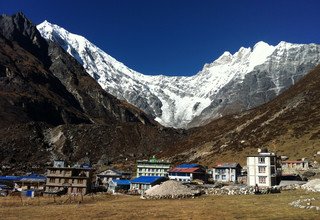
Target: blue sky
x=176 y=37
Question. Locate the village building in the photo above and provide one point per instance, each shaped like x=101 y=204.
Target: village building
x=69 y=179
x=106 y=176
x=32 y=181
x=152 y=167
x=188 y=173
x=119 y=185
x=263 y=169
x=141 y=184
x=294 y=166
x=226 y=172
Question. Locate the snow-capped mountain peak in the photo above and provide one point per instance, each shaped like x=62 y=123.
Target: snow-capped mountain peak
x=231 y=83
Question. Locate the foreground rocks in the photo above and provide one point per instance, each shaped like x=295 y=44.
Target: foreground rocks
x=305 y=204
x=171 y=190
x=312 y=185
x=239 y=190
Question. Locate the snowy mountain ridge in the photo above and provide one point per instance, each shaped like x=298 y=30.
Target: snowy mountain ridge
x=232 y=83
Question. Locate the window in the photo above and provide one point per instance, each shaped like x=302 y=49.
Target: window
x=221 y=171
x=262 y=179
x=217 y=177
x=80 y=181
x=224 y=177
x=261 y=159
x=51 y=180
x=262 y=169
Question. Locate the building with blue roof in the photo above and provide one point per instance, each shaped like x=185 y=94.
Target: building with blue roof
x=188 y=173
x=188 y=165
x=119 y=185
x=32 y=181
x=143 y=183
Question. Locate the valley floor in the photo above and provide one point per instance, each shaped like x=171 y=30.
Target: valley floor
x=271 y=206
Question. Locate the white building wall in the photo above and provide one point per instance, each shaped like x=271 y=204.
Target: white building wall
x=227 y=175
x=152 y=169
x=187 y=179
x=253 y=174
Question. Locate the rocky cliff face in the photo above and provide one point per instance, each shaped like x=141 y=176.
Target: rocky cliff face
x=51 y=108
x=232 y=83
x=288 y=125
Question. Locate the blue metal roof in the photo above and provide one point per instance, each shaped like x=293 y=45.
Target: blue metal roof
x=32 y=177
x=188 y=165
x=121 y=182
x=10 y=178
x=2 y=186
x=147 y=179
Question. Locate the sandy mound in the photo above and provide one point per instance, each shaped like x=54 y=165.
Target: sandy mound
x=312 y=185
x=170 y=189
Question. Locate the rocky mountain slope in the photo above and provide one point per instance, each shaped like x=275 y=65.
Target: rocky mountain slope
x=51 y=108
x=230 y=84
x=288 y=125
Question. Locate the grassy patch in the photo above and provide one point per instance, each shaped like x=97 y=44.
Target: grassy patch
x=272 y=206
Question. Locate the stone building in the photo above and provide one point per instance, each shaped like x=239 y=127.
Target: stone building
x=294 y=166
x=76 y=180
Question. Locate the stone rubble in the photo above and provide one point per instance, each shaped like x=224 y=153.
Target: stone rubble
x=304 y=204
x=170 y=190
x=291 y=187
x=312 y=185
x=239 y=190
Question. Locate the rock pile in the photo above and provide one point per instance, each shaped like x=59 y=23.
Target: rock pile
x=312 y=185
x=231 y=190
x=304 y=204
x=170 y=190
x=291 y=187
x=239 y=190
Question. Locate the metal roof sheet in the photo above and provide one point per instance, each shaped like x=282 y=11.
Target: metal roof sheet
x=227 y=165
x=185 y=170
x=147 y=179
x=122 y=182
x=294 y=161
x=188 y=165
x=31 y=178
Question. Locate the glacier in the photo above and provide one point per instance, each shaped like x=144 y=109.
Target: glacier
x=230 y=84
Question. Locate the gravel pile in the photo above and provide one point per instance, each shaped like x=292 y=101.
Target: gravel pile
x=170 y=190
x=312 y=185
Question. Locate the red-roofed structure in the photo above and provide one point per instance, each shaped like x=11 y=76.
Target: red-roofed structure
x=185 y=173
